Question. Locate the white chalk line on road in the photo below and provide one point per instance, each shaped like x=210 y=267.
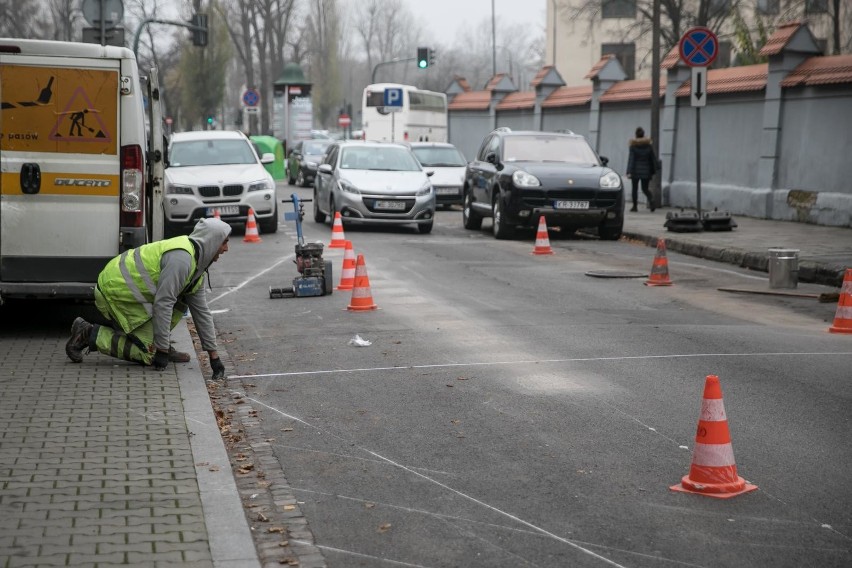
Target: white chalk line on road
x=444 y=486
x=252 y=278
x=456 y=518
x=536 y=361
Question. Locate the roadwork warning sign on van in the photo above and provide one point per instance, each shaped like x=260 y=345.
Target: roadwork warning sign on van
x=55 y=109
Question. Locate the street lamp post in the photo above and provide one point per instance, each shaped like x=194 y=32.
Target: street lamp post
x=493 y=41
x=555 y=16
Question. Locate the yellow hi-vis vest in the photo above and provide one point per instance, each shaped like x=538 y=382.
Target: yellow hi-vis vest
x=129 y=281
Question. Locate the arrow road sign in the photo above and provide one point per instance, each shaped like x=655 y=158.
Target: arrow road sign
x=698 y=87
x=698 y=47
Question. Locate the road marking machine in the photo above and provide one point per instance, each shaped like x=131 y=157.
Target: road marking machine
x=315 y=278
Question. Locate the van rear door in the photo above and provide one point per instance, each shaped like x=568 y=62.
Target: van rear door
x=60 y=181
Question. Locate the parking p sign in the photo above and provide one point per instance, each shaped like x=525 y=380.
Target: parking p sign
x=393 y=99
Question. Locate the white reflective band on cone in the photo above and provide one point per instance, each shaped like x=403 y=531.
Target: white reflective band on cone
x=713 y=455
x=713 y=410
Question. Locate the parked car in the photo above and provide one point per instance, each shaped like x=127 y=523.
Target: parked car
x=217 y=170
x=303 y=161
x=519 y=176
x=373 y=182
x=448 y=164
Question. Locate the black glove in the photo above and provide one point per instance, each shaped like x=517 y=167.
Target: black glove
x=161 y=360
x=218 y=369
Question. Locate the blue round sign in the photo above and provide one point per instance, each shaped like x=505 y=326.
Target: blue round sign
x=251 y=98
x=699 y=47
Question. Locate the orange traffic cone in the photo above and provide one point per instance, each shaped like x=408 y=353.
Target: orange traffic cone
x=713 y=472
x=542 y=242
x=843 y=316
x=660 y=268
x=337 y=238
x=362 y=298
x=347 y=275
x=252 y=235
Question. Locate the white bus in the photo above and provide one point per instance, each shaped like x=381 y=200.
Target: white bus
x=422 y=118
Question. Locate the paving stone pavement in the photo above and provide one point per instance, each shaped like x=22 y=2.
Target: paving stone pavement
x=108 y=463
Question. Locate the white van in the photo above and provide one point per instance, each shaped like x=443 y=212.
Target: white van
x=73 y=186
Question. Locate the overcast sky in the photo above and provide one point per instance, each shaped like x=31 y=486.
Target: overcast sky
x=447 y=18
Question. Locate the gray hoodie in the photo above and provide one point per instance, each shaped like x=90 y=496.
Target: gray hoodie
x=207 y=236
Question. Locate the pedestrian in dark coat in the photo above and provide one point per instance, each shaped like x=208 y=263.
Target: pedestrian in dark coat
x=641 y=166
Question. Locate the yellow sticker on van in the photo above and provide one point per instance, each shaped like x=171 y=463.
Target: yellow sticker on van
x=57 y=109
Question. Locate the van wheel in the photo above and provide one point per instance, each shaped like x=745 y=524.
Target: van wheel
x=425 y=228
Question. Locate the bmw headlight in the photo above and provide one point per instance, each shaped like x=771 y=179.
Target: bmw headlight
x=179 y=189
x=523 y=179
x=260 y=185
x=425 y=190
x=348 y=187
x=610 y=180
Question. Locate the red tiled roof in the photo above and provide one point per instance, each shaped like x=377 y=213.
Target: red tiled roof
x=831 y=69
x=731 y=80
x=471 y=100
x=635 y=90
x=462 y=82
x=671 y=59
x=568 y=96
x=539 y=77
x=517 y=100
x=495 y=80
x=598 y=66
x=779 y=39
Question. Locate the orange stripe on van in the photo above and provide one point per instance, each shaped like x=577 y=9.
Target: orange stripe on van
x=104 y=185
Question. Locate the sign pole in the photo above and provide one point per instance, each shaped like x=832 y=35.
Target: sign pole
x=698 y=159
x=393 y=126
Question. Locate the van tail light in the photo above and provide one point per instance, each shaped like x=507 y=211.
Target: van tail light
x=132 y=186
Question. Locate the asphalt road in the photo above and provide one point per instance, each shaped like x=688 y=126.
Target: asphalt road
x=511 y=410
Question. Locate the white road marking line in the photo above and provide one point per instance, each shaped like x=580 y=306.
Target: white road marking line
x=445 y=486
x=532 y=362
x=299 y=449
x=248 y=280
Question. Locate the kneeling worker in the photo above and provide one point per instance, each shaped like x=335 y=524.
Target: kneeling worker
x=144 y=293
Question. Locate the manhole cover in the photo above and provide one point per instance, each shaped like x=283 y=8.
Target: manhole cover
x=615 y=274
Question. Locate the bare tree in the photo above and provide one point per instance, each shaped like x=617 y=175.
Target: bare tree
x=202 y=73
x=24 y=19
x=66 y=17
x=322 y=28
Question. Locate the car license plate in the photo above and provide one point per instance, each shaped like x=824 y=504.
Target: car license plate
x=571 y=204
x=447 y=190
x=391 y=205
x=224 y=210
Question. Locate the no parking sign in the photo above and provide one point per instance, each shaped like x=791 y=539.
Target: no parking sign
x=699 y=47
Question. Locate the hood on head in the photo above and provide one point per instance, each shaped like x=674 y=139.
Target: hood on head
x=640 y=141
x=208 y=235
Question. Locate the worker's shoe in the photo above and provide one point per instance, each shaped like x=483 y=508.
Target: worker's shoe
x=178 y=356
x=78 y=345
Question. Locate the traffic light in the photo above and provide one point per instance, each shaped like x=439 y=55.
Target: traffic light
x=422 y=57
x=210 y=121
x=431 y=56
x=199 y=31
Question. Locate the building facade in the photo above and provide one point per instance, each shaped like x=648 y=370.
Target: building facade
x=580 y=32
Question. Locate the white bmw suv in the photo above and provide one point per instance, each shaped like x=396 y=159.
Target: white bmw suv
x=217 y=170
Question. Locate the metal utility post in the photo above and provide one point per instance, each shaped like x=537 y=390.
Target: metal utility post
x=656 y=181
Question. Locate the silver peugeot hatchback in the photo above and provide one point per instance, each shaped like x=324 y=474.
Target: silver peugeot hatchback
x=373 y=183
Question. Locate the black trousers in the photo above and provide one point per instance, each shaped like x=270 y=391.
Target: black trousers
x=645 y=183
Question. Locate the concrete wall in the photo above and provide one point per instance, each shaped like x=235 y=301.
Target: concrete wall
x=808 y=179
